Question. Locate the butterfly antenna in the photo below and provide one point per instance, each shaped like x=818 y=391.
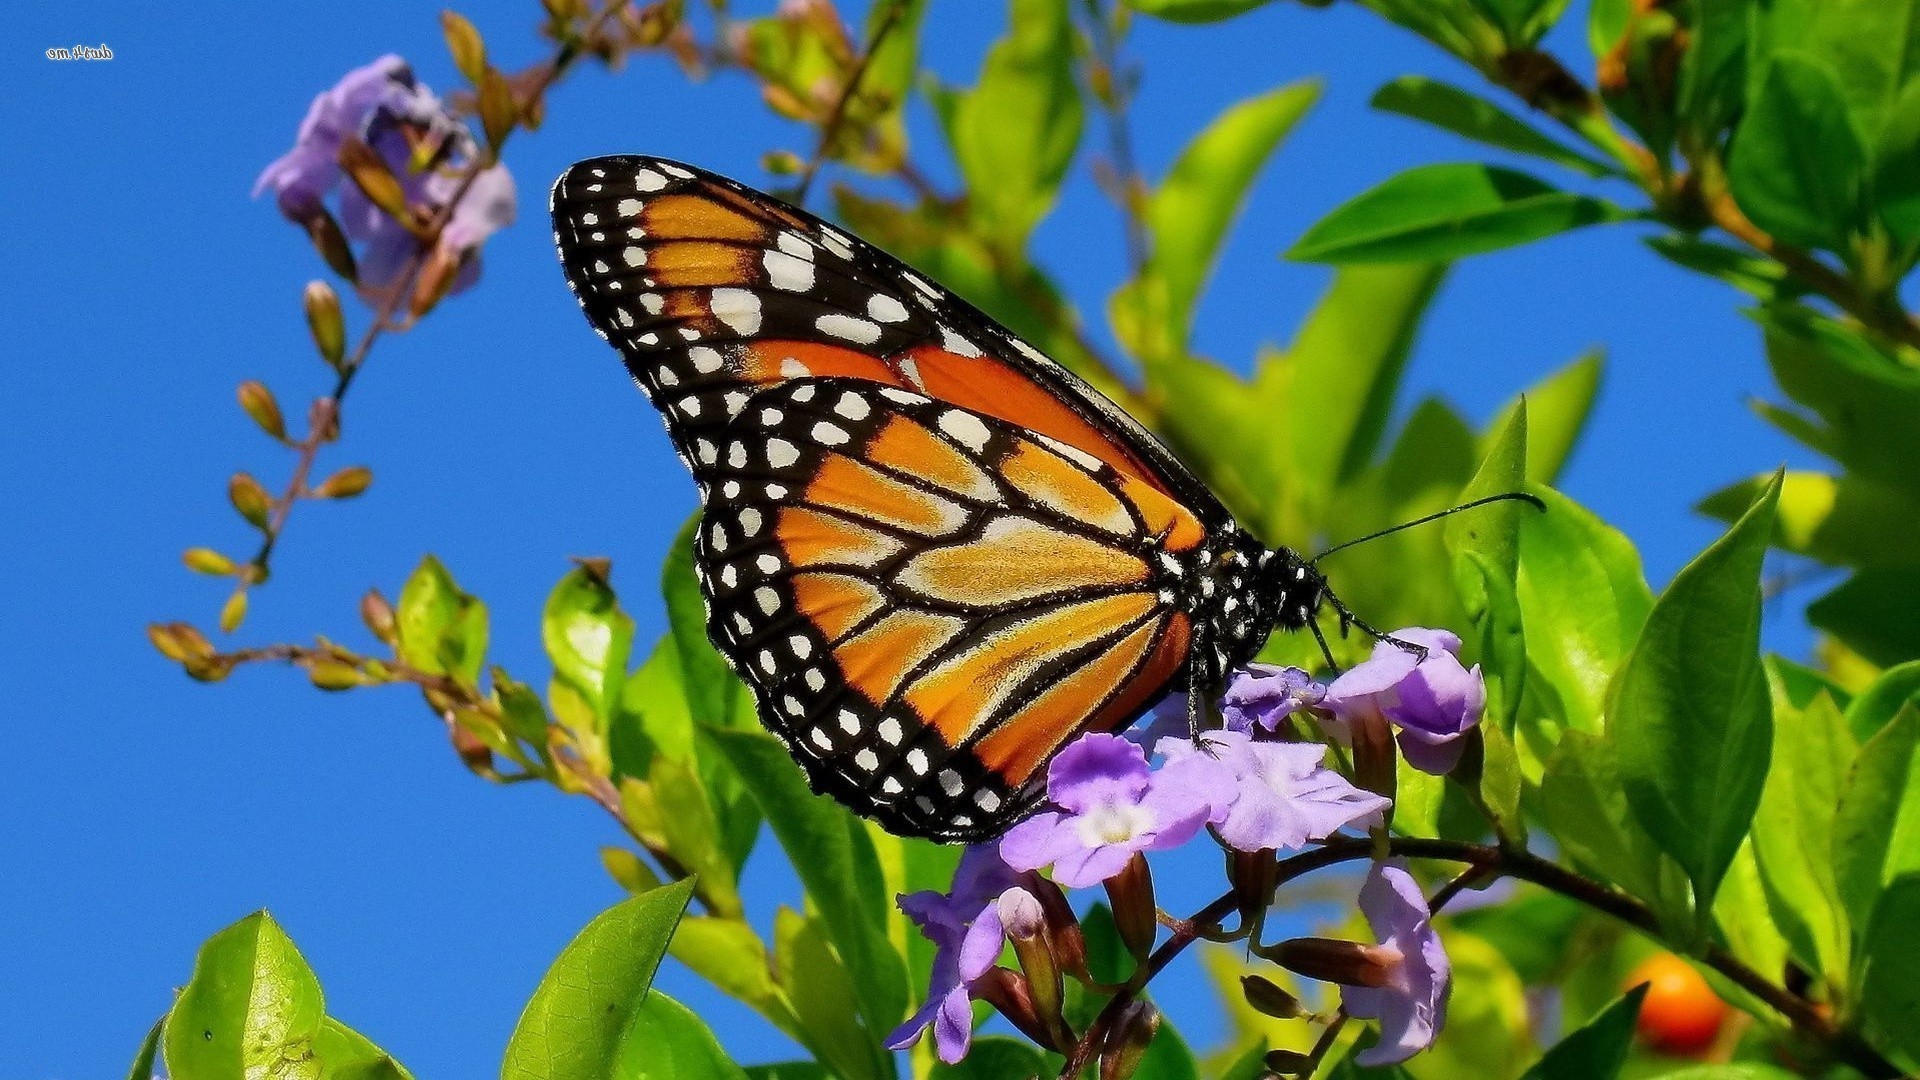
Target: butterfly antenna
x=1505 y=496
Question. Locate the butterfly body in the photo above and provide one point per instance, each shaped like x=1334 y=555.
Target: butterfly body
x=933 y=554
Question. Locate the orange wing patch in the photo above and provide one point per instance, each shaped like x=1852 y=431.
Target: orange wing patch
x=835 y=603
x=683 y=264
x=1052 y=482
x=701 y=217
x=812 y=538
x=909 y=448
x=875 y=660
x=858 y=489
x=1020 y=743
x=1015 y=559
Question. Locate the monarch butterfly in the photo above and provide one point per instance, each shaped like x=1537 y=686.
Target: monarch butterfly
x=933 y=554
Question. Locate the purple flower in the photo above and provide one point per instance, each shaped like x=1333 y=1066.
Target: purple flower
x=424 y=146
x=1434 y=701
x=1263 y=695
x=1411 y=1002
x=1268 y=794
x=1110 y=807
x=965 y=928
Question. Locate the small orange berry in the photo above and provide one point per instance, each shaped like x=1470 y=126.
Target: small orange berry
x=1681 y=1014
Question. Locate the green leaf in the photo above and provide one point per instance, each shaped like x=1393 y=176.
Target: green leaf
x=728 y=954
x=790 y=1070
x=1713 y=71
x=1896 y=175
x=693 y=832
x=1607 y=24
x=1437 y=212
x=1877 y=705
x=1867 y=400
x=1873 y=613
x=1872 y=47
x=349 y=1055
x=587 y=1013
x=1188 y=215
x=442 y=631
x=1195 y=11
x=712 y=689
x=835 y=860
x=1876 y=832
x=1793 y=833
x=1796 y=167
x=1745 y=925
x=1845 y=520
x=1598 y=1050
x=1484 y=544
x=1892 y=965
x=588 y=638
x=251 y=1009
x=1557 y=411
x=1742 y=1070
x=665 y=1040
x=1758 y=277
x=824 y=1000
x=1168 y=1057
x=1014 y=134
x=149 y=1052
x=994 y=1057
x=1689 y=713
x=1473 y=117
x=1583 y=805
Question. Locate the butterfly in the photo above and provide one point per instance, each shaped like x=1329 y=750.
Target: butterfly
x=933 y=554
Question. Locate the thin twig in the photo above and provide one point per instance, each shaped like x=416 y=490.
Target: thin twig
x=1113 y=103
x=838 y=117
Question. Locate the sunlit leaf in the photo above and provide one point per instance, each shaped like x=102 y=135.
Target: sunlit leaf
x=442 y=630
x=1473 y=117
x=1796 y=167
x=1195 y=11
x=1596 y=1051
x=1793 y=833
x=588 y=638
x=1876 y=834
x=252 y=1008
x=1557 y=411
x=824 y=1001
x=665 y=1040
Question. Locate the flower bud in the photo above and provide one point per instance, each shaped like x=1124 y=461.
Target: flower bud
x=1288 y=1062
x=378 y=615
x=345 y=484
x=1131 y=893
x=1252 y=874
x=257 y=401
x=331 y=243
x=1127 y=1041
x=1348 y=963
x=1009 y=994
x=436 y=279
x=210 y=668
x=473 y=750
x=1376 y=761
x=1025 y=922
x=1271 y=998
x=334 y=675
x=207 y=561
x=324 y=320
x=250 y=499
x=1063 y=927
x=369 y=172
x=179 y=641
x=233 y=612
x=464 y=42
x=498 y=111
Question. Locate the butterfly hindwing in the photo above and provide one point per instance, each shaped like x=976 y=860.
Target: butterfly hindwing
x=926 y=601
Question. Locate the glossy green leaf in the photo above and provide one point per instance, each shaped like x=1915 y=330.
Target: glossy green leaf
x=829 y=849
x=1797 y=168
x=588 y=638
x=149 y=1053
x=1866 y=399
x=442 y=631
x=1583 y=598
x=1713 y=71
x=1557 y=411
x=1596 y=1051
x=1474 y=117
x=693 y=832
x=1896 y=167
x=1758 y=277
x=1438 y=212
x=1872 y=46
x=1876 y=833
x=1014 y=134
x=587 y=1012
x=994 y=1057
x=1891 y=976
x=349 y=1055
x=1877 y=705
x=824 y=1000
x=1484 y=544
x=252 y=1008
x=1607 y=24
x=1583 y=805
x=1195 y=11
x=731 y=956
x=1845 y=520
x=789 y=1070
x=1189 y=213
x=713 y=692
x=1793 y=833
x=1740 y=1070
x=1689 y=713
x=1168 y=1057
x=1873 y=613
x=665 y=1040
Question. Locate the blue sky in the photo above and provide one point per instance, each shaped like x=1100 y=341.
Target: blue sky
x=141 y=284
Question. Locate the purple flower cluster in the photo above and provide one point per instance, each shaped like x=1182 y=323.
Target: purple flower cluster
x=1258 y=792
x=425 y=147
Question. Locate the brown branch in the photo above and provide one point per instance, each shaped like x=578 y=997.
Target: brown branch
x=838 y=117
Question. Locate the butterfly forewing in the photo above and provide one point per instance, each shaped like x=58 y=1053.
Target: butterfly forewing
x=934 y=554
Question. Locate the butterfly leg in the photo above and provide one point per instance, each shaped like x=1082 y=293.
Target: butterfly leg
x=1348 y=618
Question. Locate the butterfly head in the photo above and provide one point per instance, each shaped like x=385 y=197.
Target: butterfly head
x=1297 y=587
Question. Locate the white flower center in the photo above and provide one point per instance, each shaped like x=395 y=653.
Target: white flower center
x=1114 y=823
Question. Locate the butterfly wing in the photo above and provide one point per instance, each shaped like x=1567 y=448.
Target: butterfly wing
x=927 y=602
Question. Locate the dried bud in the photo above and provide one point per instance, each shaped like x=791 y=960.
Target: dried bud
x=1127 y=1041
x=259 y=404
x=207 y=561
x=1131 y=894
x=334 y=675
x=378 y=615
x=179 y=641
x=233 y=612
x=1252 y=874
x=369 y=172
x=464 y=42
x=1270 y=997
x=1063 y=926
x=1009 y=994
x=210 y=668
x=324 y=320
x=1348 y=963
x=473 y=750
x=435 y=280
x=498 y=113
x=782 y=163
x=250 y=499
x=331 y=243
x=1288 y=1062
x=345 y=484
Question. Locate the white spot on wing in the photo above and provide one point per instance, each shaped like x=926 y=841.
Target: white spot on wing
x=829 y=434
x=848 y=328
x=739 y=309
x=648 y=180
x=965 y=428
x=958 y=345
x=705 y=359
x=781 y=453
x=884 y=308
x=787 y=272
